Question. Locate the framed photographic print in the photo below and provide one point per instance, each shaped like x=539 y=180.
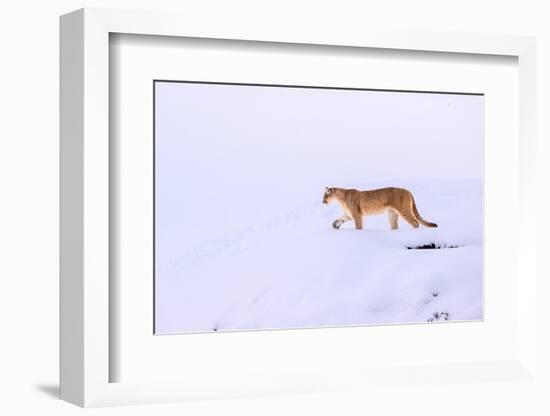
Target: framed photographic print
x=247 y=210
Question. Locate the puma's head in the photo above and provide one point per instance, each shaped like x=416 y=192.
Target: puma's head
x=328 y=195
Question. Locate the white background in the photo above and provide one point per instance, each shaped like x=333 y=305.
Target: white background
x=29 y=212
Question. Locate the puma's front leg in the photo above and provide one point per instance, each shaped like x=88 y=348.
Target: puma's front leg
x=338 y=223
x=358 y=218
x=393 y=217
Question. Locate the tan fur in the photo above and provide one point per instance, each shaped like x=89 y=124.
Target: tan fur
x=396 y=202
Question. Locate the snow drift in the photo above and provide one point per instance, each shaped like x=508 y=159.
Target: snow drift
x=293 y=270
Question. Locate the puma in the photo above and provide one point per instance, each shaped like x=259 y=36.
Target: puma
x=357 y=204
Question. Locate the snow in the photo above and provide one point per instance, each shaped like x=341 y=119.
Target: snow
x=293 y=270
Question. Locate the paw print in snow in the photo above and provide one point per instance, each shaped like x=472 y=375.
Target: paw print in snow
x=439 y=316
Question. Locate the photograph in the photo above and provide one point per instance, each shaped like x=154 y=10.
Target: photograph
x=291 y=207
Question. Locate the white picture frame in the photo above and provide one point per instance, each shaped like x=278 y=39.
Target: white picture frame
x=85 y=222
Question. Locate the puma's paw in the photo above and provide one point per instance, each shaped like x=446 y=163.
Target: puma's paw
x=336 y=224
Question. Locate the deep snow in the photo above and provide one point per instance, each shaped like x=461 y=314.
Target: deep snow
x=293 y=270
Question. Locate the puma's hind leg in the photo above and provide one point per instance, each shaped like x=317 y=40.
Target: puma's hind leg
x=410 y=218
x=393 y=217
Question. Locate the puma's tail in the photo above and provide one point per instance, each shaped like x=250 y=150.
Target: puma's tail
x=420 y=219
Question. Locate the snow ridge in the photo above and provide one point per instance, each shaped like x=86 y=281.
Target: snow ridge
x=293 y=270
